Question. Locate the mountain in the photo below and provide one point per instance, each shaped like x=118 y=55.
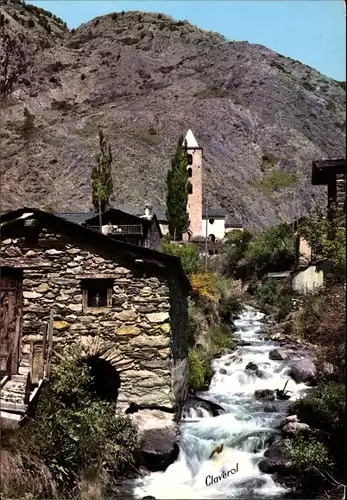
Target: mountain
x=145 y=78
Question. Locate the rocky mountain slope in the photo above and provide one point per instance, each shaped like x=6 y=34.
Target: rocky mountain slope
x=145 y=78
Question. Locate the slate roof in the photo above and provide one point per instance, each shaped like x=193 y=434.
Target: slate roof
x=12 y=222
x=213 y=212
x=77 y=218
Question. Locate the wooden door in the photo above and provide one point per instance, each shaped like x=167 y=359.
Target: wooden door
x=11 y=307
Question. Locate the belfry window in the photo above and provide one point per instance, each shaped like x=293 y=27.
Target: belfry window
x=190 y=172
x=190 y=159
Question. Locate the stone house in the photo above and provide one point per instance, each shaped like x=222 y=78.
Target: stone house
x=309 y=273
x=124 y=306
x=332 y=173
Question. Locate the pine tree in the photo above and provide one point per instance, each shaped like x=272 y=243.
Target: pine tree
x=102 y=185
x=177 y=193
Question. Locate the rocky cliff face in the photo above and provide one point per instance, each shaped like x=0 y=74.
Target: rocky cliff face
x=260 y=117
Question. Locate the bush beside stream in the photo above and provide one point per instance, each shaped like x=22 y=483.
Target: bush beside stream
x=73 y=442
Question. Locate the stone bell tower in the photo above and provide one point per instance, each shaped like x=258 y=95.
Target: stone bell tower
x=194 y=207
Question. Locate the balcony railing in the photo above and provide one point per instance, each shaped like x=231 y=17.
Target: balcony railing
x=121 y=230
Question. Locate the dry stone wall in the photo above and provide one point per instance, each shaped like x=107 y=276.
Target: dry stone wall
x=134 y=334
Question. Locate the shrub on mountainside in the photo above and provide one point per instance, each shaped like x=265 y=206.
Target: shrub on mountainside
x=273 y=181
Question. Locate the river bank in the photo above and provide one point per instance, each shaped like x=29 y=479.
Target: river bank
x=247 y=427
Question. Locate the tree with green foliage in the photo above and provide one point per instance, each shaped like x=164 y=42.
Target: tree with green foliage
x=327 y=239
x=102 y=184
x=177 y=192
x=235 y=247
x=274 y=248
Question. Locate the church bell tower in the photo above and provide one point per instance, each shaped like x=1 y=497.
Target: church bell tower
x=194 y=206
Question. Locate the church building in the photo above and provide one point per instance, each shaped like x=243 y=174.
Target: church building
x=203 y=221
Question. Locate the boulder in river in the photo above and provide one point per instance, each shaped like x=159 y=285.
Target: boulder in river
x=223 y=371
x=287 y=420
x=303 y=371
x=292 y=429
x=276 y=461
x=195 y=402
x=278 y=355
x=270 y=408
x=283 y=467
x=260 y=373
x=243 y=343
x=158 y=438
x=265 y=395
x=252 y=366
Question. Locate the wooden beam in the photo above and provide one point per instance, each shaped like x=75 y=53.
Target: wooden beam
x=31 y=358
x=44 y=348
x=27 y=389
x=3 y=381
x=36 y=364
x=50 y=344
x=16 y=346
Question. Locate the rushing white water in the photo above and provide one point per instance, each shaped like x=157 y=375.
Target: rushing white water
x=244 y=429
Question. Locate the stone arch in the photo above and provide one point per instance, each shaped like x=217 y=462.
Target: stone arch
x=106 y=363
x=212 y=238
x=105 y=378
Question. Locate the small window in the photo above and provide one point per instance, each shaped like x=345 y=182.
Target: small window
x=212 y=238
x=190 y=159
x=190 y=188
x=97 y=293
x=211 y=221
x=190 y=172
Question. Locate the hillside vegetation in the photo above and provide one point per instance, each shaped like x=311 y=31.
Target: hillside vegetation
x=260 y=117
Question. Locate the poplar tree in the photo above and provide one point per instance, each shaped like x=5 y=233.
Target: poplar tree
x=177 y=192
x=102 y=185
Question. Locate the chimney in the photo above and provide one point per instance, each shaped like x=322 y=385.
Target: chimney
x=148 y=211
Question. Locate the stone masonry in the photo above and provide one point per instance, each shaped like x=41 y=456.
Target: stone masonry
x=194 y=208
x=341 y=198
x=142 y=332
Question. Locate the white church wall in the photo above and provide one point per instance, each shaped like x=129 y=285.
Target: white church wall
x=215 y=226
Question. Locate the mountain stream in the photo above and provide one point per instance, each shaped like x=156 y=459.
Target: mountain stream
x=245 y=429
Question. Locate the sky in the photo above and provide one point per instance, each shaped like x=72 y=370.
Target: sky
x=310 y=31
